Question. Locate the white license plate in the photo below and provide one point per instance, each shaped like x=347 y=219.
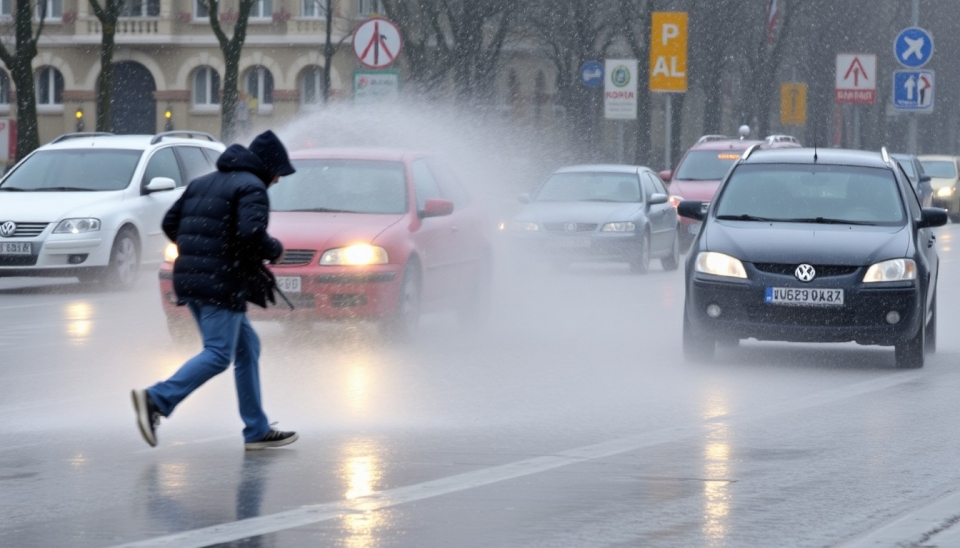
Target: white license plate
x=15 y=248
x=288 y=284
x=572 y=242
x=804 y=297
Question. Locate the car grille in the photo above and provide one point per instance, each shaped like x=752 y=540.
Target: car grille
x=807 y=316
x=297 y=256
x=28 y=230
x=823 y=271
x=18 y=260
x=563 y=227
x=298 y=300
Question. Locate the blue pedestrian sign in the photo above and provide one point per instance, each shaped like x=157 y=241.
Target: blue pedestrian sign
x=591 y=74
x=913 y=47
x=913 y=90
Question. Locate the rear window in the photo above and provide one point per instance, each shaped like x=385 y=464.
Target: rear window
x=345 y=186
x=68 y=170
x=812 y=193
x=706 y=165
x=939 y=169
x=590 y=187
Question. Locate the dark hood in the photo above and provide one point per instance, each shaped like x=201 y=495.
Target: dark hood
x=238 y=158
x=816 y=244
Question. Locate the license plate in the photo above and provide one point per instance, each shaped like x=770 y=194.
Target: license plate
x=804 y=297
x=572 y=242
x=15 y=248
x=288 y=284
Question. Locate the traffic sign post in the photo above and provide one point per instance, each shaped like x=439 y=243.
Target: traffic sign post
x=377 y=43
x=913 y=47
x=913 y=90
x=856 y=78
x=793 y=104
x=591 y=74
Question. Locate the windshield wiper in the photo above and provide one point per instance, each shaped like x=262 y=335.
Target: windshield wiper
x=64 y=189
x=13 y=189
x=744 y=217
x=320 y=210
x=825 y=221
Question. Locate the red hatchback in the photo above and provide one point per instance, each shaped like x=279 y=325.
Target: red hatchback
x=369 y=234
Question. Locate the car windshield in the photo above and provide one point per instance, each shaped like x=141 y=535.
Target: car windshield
x=706 y=165
x=940 y=169
x=812 y=193
x=342 y=186
x=590 y=187
x=907 y=166
x=67 y=170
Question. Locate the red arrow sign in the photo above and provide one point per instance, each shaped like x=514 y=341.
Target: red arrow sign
x=856 y=67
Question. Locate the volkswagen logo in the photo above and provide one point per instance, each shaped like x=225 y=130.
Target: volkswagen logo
x=570 y=227
x=7 y=229
x=805 y=273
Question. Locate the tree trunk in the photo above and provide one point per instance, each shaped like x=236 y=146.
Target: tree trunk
x=231 y=93
x=328 y=52
x=105 y=79
x=28 y=134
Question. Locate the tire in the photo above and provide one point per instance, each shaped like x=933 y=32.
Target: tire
x=909 y=353
x=474 y=312
x=931 y=329
x=641 y=263
x=124 y=267
x=402 y=323
x=697 y=347
x=672 y=261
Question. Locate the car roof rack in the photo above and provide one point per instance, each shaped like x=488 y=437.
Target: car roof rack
x=79 y=134
x=771 y=139
x=184 y=134
x=884 y=155
x=709 y=138
x=749 y=151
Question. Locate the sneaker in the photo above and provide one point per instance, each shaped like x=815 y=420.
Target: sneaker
x=148 y=417
x=274 y=438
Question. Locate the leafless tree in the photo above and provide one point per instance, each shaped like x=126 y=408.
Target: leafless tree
x=107 y=12
x=26 y=34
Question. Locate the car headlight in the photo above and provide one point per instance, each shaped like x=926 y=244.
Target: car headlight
x=719 y=264
x=894 y=270
x=359 y=254
x=946 y=191
x=619 y=227
x=77 y=226
x=170 y=253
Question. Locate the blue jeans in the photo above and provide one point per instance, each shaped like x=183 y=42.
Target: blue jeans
x=227 y=337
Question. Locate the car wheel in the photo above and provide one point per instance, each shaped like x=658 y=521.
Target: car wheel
x=403 y=321
x=931 y=334
x=641 y=263
x=475 y=310
x=909 y=353
x=672 y=261
x=124 y=265
x=696 y=346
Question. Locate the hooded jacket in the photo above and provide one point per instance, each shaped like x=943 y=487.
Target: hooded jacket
x=220 y=227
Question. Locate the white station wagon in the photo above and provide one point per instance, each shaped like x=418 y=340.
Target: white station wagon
x=90 y=205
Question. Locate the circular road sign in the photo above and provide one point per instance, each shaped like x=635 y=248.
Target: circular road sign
x=913 y=47
x=377 y=43
x=591 y=74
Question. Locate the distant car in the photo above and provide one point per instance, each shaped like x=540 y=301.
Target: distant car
x=90 y=204
x=599 y=213
x=369 y=234
x=920 y=181
x=814 y=246
x=945 y=180
x=702 y=167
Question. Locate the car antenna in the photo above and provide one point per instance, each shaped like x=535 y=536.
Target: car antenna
x=816 y=136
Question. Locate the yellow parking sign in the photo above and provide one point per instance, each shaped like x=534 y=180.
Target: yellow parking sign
x=668 y=51
x=793 y=103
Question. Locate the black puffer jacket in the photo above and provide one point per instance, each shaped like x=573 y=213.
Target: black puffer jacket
x=220 y=227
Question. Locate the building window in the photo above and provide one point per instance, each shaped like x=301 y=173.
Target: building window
x=50 y=9
x=6 y=9
x=200 y=9
x=260 y=86
x=49 y=86
x=4 y=89
x=311 y=86
x=206 y=87
x=365 y=8
x=316 y=9
x=262 y=9
x=140 y=8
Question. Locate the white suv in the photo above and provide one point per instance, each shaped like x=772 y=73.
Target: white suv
x=90 y=204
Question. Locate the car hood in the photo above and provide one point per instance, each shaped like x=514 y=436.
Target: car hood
x=321 y=231
x=579 y=212
x=802 y=243
x=702 y=191
x=940 y=182
x=47 y=207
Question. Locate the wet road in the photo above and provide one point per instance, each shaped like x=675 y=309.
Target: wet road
x=572 y=421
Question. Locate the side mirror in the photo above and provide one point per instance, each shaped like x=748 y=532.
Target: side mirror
x=666 y=175
x=525 y=198
x=925 y=179
x=436 y=208
x=659 y=199
x=932 y=217
x=160 y=184
x=691 y=209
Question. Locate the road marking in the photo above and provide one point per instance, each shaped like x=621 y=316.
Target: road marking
x=927 y=526
x=316 y=513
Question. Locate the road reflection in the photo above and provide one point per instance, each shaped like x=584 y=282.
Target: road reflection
x=79 y=316
x=361 y=471
x=716 y=468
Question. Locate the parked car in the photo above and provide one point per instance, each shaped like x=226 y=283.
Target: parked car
x=921 y=181
x=813 y=245
x=945 y=177
x=599 y=213
x=90 y=204
x=702 y=167
x=369 y=234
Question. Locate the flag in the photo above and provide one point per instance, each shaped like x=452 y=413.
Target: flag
x=772 y=13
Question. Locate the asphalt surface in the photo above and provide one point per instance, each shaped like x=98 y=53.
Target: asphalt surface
x=572 y=420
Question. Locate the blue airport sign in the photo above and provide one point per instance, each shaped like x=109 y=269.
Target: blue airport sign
x=913 y=47
x=591 y=74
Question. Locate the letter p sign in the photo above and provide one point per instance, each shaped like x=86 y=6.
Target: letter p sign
x=669 y=32
x=668 y=52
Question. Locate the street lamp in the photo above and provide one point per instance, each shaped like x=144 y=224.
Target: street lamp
x=79 y=118
x=168 y=116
